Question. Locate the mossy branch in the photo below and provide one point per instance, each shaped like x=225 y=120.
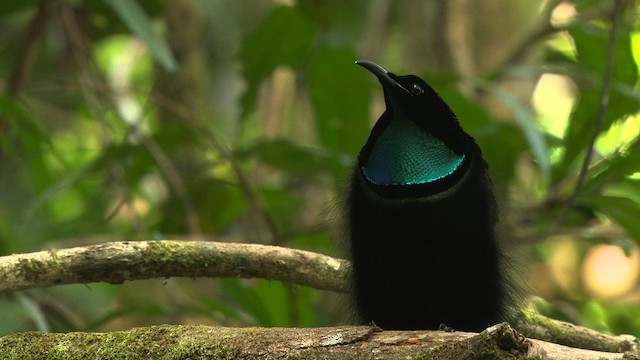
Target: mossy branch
x=541 y=327
x=116 y=262
x=347 y=342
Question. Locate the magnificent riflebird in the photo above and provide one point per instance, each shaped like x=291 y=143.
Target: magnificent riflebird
x=421 y=217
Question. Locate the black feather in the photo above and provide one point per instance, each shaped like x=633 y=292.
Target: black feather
x=425 y=253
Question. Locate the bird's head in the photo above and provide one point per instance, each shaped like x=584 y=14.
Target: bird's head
x=411 y=97
x=417 y=141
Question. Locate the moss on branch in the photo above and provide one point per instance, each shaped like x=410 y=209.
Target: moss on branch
x=116 y=262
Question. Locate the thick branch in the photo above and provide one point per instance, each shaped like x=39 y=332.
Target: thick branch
x=116 y=262
x=348 y=342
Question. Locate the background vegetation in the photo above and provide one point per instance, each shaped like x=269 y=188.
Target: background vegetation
x=240 y=120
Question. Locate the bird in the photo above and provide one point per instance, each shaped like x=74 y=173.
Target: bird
x=421 y=218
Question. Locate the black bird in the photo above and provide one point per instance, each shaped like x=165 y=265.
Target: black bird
x=421 y=216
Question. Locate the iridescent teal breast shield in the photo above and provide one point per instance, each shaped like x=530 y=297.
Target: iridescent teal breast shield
x=405 y=154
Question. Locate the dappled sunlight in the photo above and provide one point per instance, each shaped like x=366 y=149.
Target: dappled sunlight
x=553 y=99
x=608 y=272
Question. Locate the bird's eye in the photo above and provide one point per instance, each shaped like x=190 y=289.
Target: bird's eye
x=416 y=89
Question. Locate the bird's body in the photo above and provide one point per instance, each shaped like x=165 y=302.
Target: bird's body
x=421 y=215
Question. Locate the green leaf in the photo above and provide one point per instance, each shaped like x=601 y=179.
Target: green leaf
x=582 y=122
x=220 y=311
x=249 y=299
x=591 y=45
x=321 y=241
x=582 y=5
x=13 y=317
x=280 y=299
x=473 y=117
x=622 y=210
x=34 y=140
x=33 y=311
x=288 y=157
x=340 y=95
x=614 y=169
x=594 y=316
x=55 y=188
x=283 y=38
x=284 y=205
x=527 y=123
x=137 y=20
x=336 y=17
x=629 y=187
x=501 y=143
x=222 y=203
x=276 y=297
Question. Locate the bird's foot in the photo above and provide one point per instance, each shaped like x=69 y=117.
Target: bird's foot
x=445 y=328
x=374 y=326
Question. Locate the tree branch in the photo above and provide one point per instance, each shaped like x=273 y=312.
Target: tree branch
x=603 y=103
x=546 y=28
x=543 y=328
x=116 y=262
x=27 y=55
x=347 y=342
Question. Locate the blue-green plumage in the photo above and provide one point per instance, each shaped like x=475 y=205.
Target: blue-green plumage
x=421 y=218
x=404 y=154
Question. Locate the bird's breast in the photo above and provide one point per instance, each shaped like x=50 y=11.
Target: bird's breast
x=405 y=154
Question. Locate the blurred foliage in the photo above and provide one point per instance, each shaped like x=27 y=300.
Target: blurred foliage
x=240 y=120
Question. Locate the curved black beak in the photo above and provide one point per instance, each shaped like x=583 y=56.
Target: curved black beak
x=381 y=74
